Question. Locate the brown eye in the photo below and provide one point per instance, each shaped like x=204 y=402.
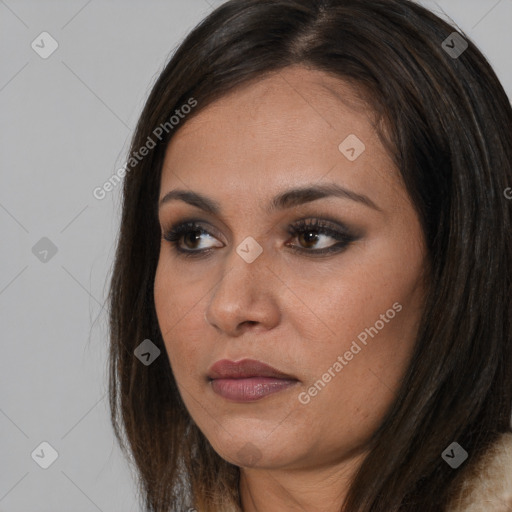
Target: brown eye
x=308 y=239
x=191 y=234
x=193 y=237
x=316 y=233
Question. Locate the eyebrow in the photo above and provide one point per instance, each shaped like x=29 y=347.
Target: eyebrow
x=287 y=199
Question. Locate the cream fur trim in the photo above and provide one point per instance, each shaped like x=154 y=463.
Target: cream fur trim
x=488 y=488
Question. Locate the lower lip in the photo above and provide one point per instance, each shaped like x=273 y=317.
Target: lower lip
x=250 y=388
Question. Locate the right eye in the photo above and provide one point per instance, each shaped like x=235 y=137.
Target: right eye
x=191 y=232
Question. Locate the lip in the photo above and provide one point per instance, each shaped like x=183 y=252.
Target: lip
x=245 y=368
x=247 y=380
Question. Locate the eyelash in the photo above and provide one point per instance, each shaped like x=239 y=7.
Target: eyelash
x=320 y=227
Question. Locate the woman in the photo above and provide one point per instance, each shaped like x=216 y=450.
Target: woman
x=315 y=235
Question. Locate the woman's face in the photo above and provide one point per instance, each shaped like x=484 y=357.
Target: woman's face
x=340 y=324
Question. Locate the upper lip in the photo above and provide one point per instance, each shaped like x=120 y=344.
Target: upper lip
x=226 y=369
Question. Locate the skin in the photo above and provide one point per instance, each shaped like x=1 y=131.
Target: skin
x=294 y=311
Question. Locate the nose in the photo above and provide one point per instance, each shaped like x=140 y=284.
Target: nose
x=245 y=298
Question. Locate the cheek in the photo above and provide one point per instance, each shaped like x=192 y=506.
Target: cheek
x=372 y=312
x=361 y=298
x=177 y=309
x=169 y=303
x=351 y=384
x=180 y=294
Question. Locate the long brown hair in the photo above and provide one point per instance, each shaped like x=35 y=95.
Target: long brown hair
x=448 y=124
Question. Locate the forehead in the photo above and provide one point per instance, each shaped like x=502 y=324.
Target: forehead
x=289 y=127
x=305 y=101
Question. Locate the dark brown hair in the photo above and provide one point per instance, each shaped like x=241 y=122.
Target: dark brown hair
x=448 y=124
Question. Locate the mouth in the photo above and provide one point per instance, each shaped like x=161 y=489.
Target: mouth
x=247 y=380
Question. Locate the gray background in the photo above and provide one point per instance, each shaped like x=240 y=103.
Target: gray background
x=65 y=127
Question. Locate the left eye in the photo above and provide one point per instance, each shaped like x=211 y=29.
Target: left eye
x=310 y=237
x=310 y=233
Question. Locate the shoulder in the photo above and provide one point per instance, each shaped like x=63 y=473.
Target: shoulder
x=488 y=486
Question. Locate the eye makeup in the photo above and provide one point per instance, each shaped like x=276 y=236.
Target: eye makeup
x=308 y=231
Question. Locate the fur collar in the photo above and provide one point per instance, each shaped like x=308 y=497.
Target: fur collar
x=487 y=487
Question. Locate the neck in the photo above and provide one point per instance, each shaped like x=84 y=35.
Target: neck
x=322 y=489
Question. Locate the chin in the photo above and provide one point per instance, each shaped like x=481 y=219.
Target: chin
x=250 y=452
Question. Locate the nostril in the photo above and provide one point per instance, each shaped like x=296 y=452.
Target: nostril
x=248 y=323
